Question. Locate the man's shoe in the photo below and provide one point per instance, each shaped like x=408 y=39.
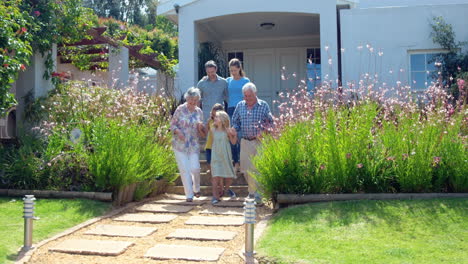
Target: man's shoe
x=214 y=201
x=189 y=200
x=231 y=193
x=197 y=194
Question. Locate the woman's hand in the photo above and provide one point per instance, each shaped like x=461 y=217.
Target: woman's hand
x=179 y=135
x=201 y=130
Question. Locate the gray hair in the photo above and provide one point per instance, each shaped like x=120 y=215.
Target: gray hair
x=211 y=64
x=192 y=92
x=249 y=87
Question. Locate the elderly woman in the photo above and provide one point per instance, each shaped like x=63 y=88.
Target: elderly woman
x=187 y=128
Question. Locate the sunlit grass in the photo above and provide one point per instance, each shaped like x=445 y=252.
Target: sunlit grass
x=55 y=215
x=411 y=231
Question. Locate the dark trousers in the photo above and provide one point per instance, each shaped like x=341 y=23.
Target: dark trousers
x=235 y=148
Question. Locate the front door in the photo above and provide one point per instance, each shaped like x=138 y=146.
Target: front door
x=274 y=71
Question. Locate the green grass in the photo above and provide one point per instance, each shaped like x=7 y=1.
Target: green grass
x=55 y=215
x=407 y=231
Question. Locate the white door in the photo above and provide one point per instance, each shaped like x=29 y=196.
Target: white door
x=259 y=66
x=274 y=71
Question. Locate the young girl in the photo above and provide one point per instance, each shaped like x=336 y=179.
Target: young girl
x=221 y=158
x=209 y=127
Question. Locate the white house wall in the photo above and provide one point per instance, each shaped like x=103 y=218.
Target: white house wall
x=205 y=9
x=396 y=32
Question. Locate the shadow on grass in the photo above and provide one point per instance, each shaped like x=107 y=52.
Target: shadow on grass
x=390 y=212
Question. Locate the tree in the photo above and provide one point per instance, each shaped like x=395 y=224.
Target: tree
x=454 y=63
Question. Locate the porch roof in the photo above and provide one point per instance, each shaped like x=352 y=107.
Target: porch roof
x=168 y=7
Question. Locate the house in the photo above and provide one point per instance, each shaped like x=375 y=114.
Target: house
x=283 y=42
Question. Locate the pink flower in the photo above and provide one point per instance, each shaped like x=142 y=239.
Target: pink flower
x=359 y=165
x=322 y=167
x=348 y=155
x=22 y=67
x=37 y=13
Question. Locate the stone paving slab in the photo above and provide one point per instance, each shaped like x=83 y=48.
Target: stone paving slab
x=121 y=230
x=164 y=208
x=179 y=202
x=202 y=234
x=223 y=211
x=182 y=197
x=215 y=221
x=229 y=204
x=92 y=247
x=146 y=218
x=182 y=252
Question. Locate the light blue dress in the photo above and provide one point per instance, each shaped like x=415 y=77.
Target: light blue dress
x=221 y=157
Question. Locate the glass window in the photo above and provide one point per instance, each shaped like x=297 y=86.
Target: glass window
x=313 y=68
x=423 y=69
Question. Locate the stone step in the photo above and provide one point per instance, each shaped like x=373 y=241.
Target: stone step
x=223 y=211
x=121 y=230
x=182 y=252
x=92 y=247
x=241 y=191
x=146 y=218
x=215 y=220
x=205 y=180
x=164 y=208
x=180 y=202
x=202 y=234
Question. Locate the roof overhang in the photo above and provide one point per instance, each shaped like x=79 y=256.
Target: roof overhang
x=168 y=8
x=351 y=3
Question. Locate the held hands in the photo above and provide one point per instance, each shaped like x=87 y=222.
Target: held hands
x=201 y=129
x=232 y=132
x=179 y=135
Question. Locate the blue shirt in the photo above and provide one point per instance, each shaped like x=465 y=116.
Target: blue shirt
x=235 y=90
x=250 y=122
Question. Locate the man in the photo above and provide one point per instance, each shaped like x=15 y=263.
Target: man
x=213 y=89
x=251 y=118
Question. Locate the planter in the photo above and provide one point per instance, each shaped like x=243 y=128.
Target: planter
x=124 y=194
x=158 y=187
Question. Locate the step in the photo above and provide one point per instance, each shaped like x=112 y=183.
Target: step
x=183 y=252
x=202 y=234
x=92 y=247
x=205 y=180
x=241 y=191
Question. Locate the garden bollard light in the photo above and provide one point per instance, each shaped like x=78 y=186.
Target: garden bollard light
x=28 y=220
x=249 y=221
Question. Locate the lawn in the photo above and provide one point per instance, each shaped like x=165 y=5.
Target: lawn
x=55 y=215
x=406 y=231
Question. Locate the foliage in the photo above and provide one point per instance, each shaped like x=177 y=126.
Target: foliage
x=111 y=121
x=406 y=231
x=455 y=61
x=15 y=48
x=34 y=26
x=56 y=215
x=124 y=155
x=210 y=51
x=134 y=12
x=152 y=42
x=352 y=141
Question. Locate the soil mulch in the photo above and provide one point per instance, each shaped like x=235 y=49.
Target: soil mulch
x=136 y=253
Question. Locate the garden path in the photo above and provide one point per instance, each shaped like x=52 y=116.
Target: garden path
x=163 y=230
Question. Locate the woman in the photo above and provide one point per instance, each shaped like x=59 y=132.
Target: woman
x=187 y=128
x=235 y=84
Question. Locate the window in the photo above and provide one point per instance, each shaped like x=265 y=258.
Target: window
x=423 y=70
x=313 y=68
x=237 y=55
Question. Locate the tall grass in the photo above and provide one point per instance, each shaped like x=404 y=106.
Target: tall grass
x=338 y=142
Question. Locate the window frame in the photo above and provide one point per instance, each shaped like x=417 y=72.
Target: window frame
x=425 y=52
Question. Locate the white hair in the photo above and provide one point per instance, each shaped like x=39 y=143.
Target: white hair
x=192 y=92
x=249 y=87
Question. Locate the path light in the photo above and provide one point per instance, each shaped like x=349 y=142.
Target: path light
x=249 y=221
x=28 y=220
x=267 y=25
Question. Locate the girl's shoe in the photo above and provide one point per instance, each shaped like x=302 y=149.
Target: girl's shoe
x=231 y=193
x=197 y=194
x=214 y=201
x=189 y=200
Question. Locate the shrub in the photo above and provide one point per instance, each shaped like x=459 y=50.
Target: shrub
x=347 y=141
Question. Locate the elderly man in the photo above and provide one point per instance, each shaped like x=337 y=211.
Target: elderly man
x=213 y=89
x=251 y=118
